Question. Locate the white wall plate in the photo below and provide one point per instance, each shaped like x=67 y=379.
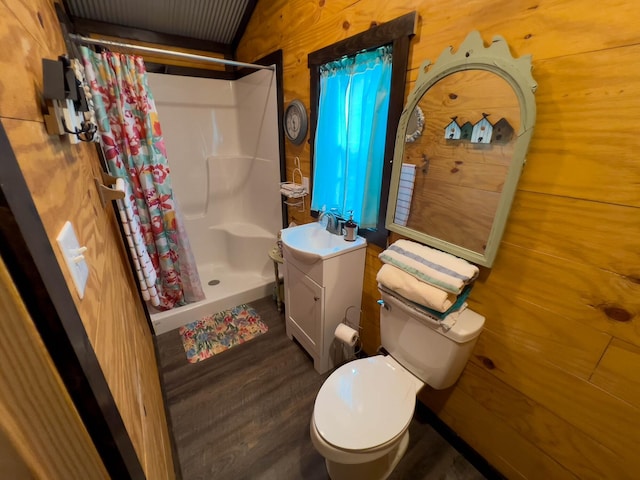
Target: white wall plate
x=74 y=257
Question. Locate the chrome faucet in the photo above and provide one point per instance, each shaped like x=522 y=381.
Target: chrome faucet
x=333 y=224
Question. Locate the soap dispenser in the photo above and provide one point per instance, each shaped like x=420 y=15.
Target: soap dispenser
x=350 y=229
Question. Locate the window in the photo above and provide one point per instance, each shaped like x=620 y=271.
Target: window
x=357 y=95
x=351 y=133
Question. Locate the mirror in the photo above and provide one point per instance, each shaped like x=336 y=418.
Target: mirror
x=454 y=177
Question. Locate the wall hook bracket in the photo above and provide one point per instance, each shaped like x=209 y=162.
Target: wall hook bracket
x=108 y=194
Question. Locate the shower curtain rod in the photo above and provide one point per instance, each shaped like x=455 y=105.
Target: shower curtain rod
x=108 y=43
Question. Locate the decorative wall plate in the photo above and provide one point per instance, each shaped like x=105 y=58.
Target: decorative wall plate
x=295 y=122
x=415 y=125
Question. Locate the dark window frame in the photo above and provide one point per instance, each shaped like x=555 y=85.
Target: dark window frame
x=397 y=32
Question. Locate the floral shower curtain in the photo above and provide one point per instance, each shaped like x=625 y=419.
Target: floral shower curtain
x=132 y=142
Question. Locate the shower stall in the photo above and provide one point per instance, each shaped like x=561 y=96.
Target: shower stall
x=223 y=148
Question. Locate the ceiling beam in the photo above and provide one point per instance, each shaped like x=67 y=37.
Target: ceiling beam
x=246 y=16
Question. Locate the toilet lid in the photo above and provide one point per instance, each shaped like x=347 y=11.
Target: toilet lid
x=364 y=403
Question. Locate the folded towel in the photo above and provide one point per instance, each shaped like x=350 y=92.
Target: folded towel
x=413 y=289
x=458 y=306
x=447 y=320
x=292 y=194
x=292 y=187
x=432 y=266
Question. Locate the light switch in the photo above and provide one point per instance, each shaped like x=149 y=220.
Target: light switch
x=74 y=257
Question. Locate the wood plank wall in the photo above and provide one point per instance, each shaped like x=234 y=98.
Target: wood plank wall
x=552 y=389
x=60 y=178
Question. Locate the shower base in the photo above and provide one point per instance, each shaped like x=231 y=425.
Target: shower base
x=234 y=288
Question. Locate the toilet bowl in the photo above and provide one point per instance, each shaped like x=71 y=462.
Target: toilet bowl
x=361 y=418
x=363 y=410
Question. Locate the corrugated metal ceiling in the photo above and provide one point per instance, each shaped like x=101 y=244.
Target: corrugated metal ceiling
x=212 y=20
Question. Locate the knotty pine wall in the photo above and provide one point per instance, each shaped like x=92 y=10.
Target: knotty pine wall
x=552 y=389
x=60 y=178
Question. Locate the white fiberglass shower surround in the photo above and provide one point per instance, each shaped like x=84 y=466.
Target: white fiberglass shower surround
x=223 y=150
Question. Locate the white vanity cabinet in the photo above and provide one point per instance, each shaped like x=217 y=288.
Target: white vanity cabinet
x=304 y=309
x=317 y=294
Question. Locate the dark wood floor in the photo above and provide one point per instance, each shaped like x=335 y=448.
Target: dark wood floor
x=244 y=413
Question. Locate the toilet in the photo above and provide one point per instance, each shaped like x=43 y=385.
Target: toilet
x=361 y=416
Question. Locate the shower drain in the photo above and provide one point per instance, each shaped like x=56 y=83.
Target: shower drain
x=214 y=282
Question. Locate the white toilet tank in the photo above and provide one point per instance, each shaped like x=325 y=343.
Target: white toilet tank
x=422 y=345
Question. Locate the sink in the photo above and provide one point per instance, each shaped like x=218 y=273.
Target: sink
x=311 y=242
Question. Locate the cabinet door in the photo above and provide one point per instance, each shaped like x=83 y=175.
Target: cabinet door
x=305 y=307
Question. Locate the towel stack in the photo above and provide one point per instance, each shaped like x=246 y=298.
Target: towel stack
x=436 y=281
x=292 y=190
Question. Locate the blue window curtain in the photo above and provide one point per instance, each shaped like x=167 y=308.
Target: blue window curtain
x=350 y=135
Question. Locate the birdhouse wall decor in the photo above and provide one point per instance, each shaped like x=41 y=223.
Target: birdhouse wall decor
x=502 y=131
x=465 y=131
x=452 y=131
x=482 y=131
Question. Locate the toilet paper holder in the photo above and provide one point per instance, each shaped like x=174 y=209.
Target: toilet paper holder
x=358 y=343
x=346 y=321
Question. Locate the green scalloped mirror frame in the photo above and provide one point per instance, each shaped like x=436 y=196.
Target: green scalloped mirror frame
x=441 y=162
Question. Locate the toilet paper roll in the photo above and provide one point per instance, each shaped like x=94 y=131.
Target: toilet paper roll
x=346 y=334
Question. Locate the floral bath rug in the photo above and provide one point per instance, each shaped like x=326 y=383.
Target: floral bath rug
x=216 y=333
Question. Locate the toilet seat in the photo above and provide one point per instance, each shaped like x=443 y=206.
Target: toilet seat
x=365 y=404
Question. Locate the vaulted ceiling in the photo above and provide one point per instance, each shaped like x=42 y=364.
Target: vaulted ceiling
x=212 y=25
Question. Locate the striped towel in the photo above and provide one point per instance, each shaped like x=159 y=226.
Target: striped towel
x=432 y=266
x=405 y=193
x=145 y=271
